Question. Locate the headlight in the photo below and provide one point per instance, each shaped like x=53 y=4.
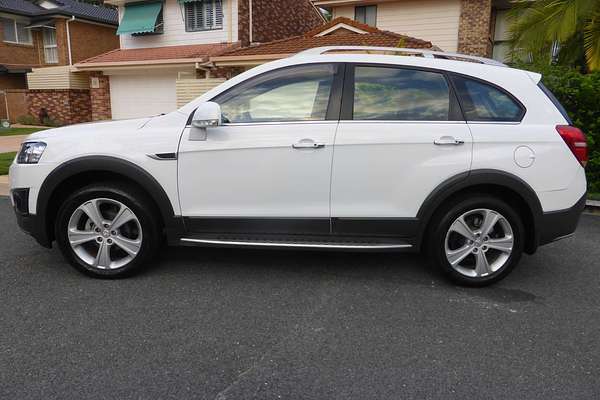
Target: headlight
x=31 y=152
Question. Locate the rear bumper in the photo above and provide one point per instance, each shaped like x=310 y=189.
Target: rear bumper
x=557 y=225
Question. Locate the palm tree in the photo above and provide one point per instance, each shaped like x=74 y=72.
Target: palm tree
x=574 y=25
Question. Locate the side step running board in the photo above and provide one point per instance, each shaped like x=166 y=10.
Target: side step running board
x=341 y=245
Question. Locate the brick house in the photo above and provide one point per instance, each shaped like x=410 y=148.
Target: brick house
x=165 y=49
x=476 y=27
x=48 y=33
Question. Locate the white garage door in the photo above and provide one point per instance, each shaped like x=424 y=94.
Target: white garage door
x=142 y=95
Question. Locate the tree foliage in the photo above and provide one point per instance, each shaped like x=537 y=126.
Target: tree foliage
x=574 y=25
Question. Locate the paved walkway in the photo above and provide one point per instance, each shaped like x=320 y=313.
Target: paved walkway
x=8 y=144
x=11 y=143
x=28 y=126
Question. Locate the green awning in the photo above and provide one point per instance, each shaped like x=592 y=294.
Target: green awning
x=139 y=18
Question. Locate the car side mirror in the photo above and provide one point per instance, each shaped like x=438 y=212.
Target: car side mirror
x=207 y=115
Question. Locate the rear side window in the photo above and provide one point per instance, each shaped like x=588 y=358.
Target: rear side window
x=555 y=101
x=392 y=94
x=484 y=102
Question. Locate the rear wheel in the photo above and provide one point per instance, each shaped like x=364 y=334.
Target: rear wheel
x=107 y=230
x=477 y=240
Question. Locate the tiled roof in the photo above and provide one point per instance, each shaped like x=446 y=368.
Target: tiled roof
x=20 y=7
x=342 y=37
x=342 y=20
x=64 y=7
x=200 y=51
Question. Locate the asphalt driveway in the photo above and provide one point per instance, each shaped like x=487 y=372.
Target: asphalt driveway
x=239 y=324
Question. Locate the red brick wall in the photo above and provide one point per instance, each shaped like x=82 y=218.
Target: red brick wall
x=273 y=20
x=19 y=53
x=61 y=42
x=10 y=81
x=88 y=40
x=67 y=106
x=100 y=98
x=13 y=81
x=475 y=27
x=17 y=103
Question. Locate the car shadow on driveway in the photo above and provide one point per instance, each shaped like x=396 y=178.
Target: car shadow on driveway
x=400 y=269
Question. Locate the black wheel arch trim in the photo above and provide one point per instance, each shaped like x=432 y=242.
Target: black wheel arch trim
x=469 y=179
x=104 y=164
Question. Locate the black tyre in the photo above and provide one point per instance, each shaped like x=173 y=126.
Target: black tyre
x=476 y=240
x=107 y=230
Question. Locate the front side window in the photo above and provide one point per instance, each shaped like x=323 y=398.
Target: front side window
x=289 y=94
x=396 y=94
x=366 y=15
x=483 y=102
x=202 y=15
x=15 y=32
x=50 y=47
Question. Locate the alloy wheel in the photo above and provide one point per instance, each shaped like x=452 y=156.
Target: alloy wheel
x=479 y=243
x=104 y=233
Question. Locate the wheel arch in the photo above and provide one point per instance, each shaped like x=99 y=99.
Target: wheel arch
x=509 y=187
x=85 y=170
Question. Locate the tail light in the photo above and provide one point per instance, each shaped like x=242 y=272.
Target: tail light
x=575 y=139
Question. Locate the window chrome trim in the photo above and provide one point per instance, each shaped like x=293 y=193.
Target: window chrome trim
x=276 y=123
x=494 y=122
x=400 y=121
x=324 y=122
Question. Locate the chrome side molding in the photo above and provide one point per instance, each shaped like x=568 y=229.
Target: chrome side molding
x=389 y=246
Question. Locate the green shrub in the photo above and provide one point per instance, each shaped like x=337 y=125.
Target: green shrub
x=51 y=122
x=27 y=120
x=579 y=94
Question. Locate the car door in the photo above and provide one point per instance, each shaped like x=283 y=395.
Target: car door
x=401 y=135
x=267 y=169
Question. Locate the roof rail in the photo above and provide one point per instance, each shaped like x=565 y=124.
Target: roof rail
x=404 y=51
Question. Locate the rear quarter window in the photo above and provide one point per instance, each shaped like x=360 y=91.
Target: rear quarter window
x=555 y=101
x=484 y=102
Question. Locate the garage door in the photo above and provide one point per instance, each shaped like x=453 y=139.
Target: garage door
x=142 y=95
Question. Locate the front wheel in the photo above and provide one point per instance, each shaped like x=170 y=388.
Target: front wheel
x=107 y=230
x=477 y=240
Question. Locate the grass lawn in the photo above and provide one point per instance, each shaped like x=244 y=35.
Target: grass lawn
x=593 y=196
x=19 y=131
x=5 y=160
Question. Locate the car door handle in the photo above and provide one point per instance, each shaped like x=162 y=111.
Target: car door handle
x=448 y=141
x=308 y=144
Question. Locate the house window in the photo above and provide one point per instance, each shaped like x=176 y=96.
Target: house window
x=50 y=47
x=501 y=36
x=366 y=15
x=15 y=32
x=203 y=15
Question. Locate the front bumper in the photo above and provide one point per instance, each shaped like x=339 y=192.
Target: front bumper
x=29 y=223
x=557 y=225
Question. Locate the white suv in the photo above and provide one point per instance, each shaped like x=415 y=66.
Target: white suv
x=461 y=157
